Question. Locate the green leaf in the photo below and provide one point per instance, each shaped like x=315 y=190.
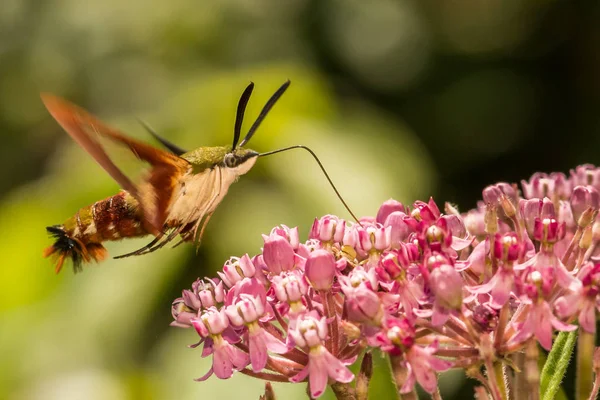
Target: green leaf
x=556 y=364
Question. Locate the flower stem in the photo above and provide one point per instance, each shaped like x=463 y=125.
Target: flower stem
x=364 y=377
x=493 y=381
x=400 y=374
x=502 y=323
x=332 y=342
x=343 y=391
x=265 y=375
x=457 y=352
x=519 y=385
x=585 y=351
x=532 y=372
x=500 y=379
x=596 y=388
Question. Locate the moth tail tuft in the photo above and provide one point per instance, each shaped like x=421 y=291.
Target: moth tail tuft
x=67 y=247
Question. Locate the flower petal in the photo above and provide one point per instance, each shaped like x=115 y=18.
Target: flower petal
x=587 y=317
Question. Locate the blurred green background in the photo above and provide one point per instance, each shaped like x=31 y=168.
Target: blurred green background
x=400 y=99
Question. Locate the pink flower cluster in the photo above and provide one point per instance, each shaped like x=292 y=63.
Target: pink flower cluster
x=433 y=290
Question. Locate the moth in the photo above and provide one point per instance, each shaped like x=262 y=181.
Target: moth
x=175 y=198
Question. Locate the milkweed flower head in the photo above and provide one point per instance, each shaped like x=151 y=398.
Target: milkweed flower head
x=428 y=286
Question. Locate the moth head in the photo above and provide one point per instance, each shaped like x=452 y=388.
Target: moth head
x=240 y=159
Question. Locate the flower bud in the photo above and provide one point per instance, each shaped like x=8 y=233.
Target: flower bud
x=475 y=222
x=585 y=201
x=320 y=269
x=388 y=207
x=447 y=285
x=363 y=305
x=278 y=254
x=399 y=230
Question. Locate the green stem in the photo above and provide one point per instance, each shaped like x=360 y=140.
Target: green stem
x=400 y=374
x=585 y=352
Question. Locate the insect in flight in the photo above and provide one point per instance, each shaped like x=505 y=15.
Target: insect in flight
x=175 y=197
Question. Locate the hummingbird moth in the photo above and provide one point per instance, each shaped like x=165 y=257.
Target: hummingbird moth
x=174 y=198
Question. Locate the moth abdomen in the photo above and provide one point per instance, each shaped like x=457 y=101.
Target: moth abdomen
x=80 y=238
x=113 y=218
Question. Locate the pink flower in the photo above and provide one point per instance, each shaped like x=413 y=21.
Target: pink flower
x=397 y=338
x=535 y=288
x=532 y=209
x=409 y=293
x=499 y=287
x=545 y=260
x=310 y=332
x=328 y=229
x=586 y=174
x=583 y=300
x=548 y=230
x=422 y=367
x=373 y=238
x=507 y=249
x=290 y=287
x=539 y=322
x=542 y=185
x=204 y=294
x=236 y=269
x=246 y=312
x=278 y=253
x=212 y=326
x=291 y=234
x=428 y=212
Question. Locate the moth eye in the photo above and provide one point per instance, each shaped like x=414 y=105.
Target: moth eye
x=230 y=160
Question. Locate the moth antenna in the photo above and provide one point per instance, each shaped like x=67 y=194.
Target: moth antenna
x=239 y=116
x=265 y=111
x=312 y=153
x=173 y=148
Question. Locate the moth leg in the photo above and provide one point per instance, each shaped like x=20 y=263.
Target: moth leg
x=169 y=238
x=171 y=235
x=142 y=250
x=198 y=236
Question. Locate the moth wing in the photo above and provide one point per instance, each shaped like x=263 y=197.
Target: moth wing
x=166 y=170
